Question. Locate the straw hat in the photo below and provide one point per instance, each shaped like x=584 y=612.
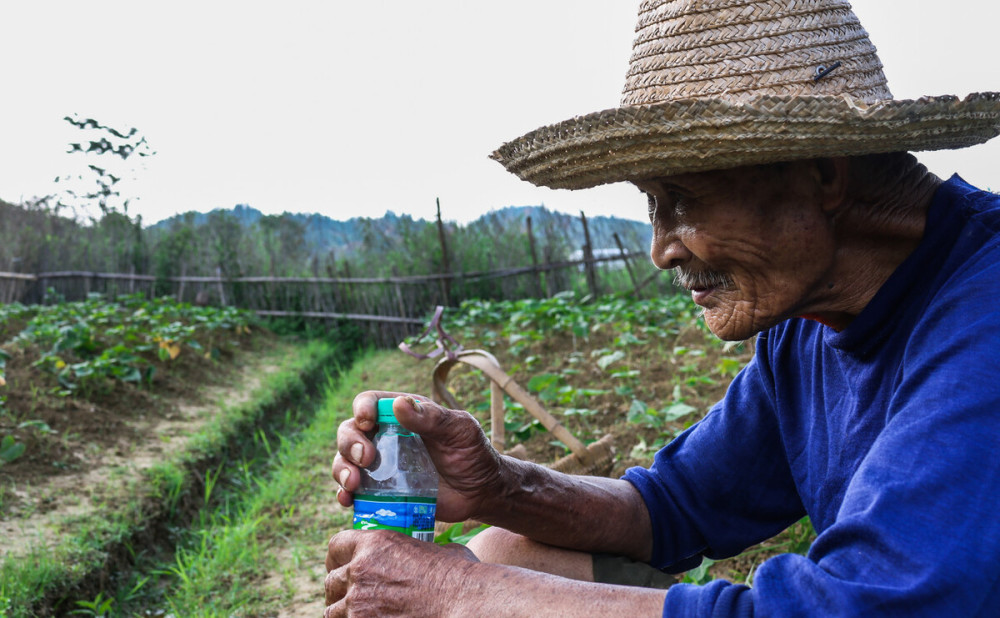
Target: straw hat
x=714 y=84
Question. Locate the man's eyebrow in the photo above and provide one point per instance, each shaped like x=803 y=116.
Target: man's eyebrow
x=672 y=187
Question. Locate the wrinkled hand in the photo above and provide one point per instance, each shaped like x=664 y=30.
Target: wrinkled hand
x=385 y=573
x=468 y=466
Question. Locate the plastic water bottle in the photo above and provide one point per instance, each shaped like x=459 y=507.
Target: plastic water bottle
x=399 y=490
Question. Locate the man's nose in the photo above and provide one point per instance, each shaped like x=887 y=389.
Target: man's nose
x=668 y=250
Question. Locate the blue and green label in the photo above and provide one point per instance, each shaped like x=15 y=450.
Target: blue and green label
x=407 y=514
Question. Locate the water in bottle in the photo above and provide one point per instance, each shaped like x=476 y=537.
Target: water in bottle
x=399 y=489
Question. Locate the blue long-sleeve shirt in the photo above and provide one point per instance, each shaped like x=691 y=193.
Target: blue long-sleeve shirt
x=886 y=434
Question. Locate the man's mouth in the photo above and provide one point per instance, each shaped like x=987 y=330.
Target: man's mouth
x=700 y=295
x=702 y=283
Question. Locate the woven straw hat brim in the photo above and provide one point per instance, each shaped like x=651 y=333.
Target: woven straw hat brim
x=700 y=134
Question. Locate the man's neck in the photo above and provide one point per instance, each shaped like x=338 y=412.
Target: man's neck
x=875 y=236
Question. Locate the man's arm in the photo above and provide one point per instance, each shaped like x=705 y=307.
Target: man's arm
x=584 y=513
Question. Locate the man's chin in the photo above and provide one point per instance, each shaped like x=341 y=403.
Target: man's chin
x=725 y=325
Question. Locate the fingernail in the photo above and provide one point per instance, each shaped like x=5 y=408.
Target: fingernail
x=356 y=452
x=416 y=404
x=344 y=475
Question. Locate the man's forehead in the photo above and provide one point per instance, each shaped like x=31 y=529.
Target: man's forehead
x=694 y=180
x=755 y=172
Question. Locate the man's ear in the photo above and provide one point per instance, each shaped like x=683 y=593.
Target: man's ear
x=832 y=174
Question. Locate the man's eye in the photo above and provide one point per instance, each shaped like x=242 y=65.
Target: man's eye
x=679 y=202
x=651 y=205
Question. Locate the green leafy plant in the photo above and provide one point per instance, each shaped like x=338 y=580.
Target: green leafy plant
x=454 y=534
x=642 y=414
x=89 y=345
x=10 y=449
x=99 y=607
x=729 y=366
x=699 y=575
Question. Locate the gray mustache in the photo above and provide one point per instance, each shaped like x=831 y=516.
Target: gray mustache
x=690 y=280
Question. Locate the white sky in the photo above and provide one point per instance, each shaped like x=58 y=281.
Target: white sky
x=355 y=108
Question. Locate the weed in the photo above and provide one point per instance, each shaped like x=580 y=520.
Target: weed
x=99 y=607
x=699 y=575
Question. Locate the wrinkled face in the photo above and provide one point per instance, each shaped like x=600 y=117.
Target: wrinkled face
x=752 y=244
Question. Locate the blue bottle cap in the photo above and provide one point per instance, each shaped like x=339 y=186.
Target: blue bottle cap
x=385 y=414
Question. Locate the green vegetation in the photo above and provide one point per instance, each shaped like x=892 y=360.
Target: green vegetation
x=598 y=362
x=89 y=344
x=39 y=237
x=115 y=353
x=235 y=520
x=10 y=449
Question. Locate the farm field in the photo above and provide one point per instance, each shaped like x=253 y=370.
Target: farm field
x=203 y=487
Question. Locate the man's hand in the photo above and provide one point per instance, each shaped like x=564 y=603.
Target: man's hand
x=468 y=466
x=384 y=573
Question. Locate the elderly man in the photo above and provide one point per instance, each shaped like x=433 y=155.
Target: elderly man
x=775 y=165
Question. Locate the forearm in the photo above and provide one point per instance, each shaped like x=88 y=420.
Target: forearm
x=496 y=590
x=584 y=513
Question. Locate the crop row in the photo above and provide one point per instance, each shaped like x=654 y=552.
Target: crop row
x=85 y=343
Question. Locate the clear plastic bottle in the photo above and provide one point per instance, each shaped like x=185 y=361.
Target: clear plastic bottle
x=399 y=490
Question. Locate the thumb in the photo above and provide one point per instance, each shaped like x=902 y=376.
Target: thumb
x=434 y=422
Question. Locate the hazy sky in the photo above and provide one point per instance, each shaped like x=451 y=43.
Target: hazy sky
x=355 y=108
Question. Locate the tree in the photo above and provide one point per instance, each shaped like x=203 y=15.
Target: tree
x=115 y=151
x=284 y=241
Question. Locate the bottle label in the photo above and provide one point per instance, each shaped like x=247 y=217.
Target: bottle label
x=410 y=515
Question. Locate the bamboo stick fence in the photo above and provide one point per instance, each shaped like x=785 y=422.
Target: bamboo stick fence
x=391 y=306
x=387 y=306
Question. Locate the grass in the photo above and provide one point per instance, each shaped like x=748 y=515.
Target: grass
x=279 y=521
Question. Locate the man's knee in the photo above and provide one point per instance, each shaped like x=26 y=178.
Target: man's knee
x=498 y=546
x=501 y=546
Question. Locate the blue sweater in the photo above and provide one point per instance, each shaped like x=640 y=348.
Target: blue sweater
x=886 y=434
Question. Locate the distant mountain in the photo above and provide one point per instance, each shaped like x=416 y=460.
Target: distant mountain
x=323 y=233
x=602 y=228
x=246 y=215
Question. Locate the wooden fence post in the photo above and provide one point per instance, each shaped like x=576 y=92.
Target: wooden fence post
x=180 y=290
x=534 y=264
x=588 y=256
x=446 y=267
x=222 y=290
x=631 y=275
